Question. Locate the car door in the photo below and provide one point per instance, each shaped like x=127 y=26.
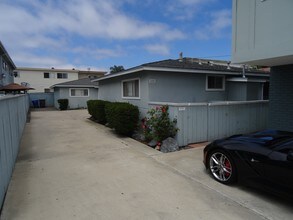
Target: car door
x=279 y=166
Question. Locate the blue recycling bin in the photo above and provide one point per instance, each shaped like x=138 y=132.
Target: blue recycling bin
x=35 y=103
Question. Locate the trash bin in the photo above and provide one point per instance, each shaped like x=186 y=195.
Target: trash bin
x=35 y=103
x=42 y=103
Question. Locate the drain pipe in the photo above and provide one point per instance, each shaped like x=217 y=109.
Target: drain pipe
x=243 y=71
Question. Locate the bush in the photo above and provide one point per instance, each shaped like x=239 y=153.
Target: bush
x=63 y=104
x=96 y=109
x=123 y=117
x=90 y=106
x=158 y=125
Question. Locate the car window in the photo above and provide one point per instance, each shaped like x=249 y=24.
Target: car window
x=285 y=147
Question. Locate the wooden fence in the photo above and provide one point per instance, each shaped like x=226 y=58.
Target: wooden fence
x=199 y=122
x=13 y=116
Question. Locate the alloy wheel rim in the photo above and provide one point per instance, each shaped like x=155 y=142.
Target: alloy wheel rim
x=220 y=166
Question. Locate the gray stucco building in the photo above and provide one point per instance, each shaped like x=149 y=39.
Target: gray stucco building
x=78 y=92
x=7 y=67
x=183 y=80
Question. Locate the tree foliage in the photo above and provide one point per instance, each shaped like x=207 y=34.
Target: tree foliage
x=116 y=69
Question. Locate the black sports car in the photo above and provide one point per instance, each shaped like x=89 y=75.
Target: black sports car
x=263 y=159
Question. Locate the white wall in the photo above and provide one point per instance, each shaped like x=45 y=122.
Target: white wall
x=37 y=81
x=262 y=32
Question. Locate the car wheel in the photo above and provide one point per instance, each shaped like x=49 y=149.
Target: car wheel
x=222 y=167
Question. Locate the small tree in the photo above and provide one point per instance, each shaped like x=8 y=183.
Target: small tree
x=158 y=125
x=116 y=69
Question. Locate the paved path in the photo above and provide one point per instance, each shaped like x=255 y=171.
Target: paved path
x=71 y=168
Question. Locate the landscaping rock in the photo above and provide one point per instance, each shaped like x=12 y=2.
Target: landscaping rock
x=138 y=136
x=152 y=143
x=169 y=145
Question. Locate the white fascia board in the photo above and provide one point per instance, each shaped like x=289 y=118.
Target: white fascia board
x=241 y=79
x=73 y=86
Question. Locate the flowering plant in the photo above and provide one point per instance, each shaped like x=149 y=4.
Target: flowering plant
x=158 y=126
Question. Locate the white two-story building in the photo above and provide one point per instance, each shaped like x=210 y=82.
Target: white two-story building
x=41 y=79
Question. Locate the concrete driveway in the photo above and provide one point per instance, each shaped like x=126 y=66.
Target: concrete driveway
x=71 y=168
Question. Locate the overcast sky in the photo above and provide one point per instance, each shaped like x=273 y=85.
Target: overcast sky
x=102 y=33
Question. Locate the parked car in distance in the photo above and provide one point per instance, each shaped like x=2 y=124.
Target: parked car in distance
x=263 y=159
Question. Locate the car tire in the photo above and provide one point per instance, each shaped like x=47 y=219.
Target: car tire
x=222 y=166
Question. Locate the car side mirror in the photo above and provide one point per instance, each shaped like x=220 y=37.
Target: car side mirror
x=290 y=156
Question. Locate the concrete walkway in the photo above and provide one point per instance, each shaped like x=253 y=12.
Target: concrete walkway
x=71 y=168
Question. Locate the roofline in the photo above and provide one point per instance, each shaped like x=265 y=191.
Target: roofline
x=75 y=86
x=46 y=69
x=7 y=55
x=165 y=69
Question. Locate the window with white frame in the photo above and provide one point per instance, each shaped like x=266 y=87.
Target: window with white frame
x=130 y=88
x=215 y=83
x=62 y=75
x=79 y=92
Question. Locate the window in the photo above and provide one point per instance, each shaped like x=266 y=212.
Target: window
x=47 y=90
x=215 y=83
x=46 y=75
x=62 y=76
x=79 y=92
x=130 y=89
x=4 y=65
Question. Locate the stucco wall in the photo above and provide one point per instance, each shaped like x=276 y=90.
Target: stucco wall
x=181 y=87
x=9 y=78
x=237 y=91
x=39 y=83
x=281 y=96
x=176 y=88
x=111 y=90
x=74 y=102
x=254 y=91
x=262 y=33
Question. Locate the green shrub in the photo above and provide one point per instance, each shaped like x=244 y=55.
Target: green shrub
x=63 y=104
x=123 y=117
x=90 y=106
x=96 y=109
x=158 y=125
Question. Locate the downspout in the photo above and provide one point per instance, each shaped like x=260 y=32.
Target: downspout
x=243 y=71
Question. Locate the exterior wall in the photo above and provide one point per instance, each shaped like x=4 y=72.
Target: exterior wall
x=13 y=115
x=281 y=96
x=237 y=91
x=262 y=33
x=9 y=78
x=111 y=90
x=74 y=102
x=176 y=88
x=254 y=91
x=181 y=87
x=48 y=97
x=37 y=81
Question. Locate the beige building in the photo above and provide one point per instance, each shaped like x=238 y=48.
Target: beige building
x=41 y=79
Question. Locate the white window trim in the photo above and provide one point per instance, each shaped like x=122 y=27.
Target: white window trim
x=213 y=90
x=127 y=80
x=88 y=93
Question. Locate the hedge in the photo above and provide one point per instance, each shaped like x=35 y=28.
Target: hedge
x=63 y=104
x=123 y=117
x=96 y=109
